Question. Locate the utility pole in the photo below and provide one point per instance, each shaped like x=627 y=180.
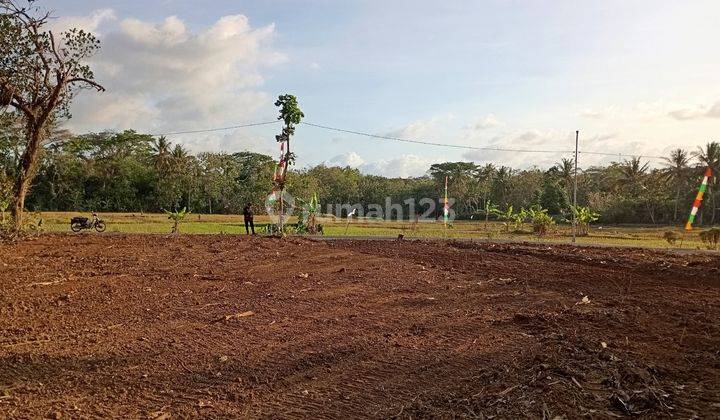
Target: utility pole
x=574 y=229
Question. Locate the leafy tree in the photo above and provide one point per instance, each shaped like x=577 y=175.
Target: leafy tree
x=710 y=158
x=162 y=155
x=676 y=173
x=566 y=172
x=291 y=115
x=552 y=196
x=39 y=76
x=5 y=194
x=501 y=184
x=632 y=173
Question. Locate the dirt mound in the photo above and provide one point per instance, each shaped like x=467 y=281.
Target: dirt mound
x=225 y=326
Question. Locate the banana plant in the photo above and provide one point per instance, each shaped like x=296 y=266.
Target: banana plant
x=307 y=223
x=583 y=217
x=490 y=208
x=518 y=219
x=177 y=217
x=507 y=216
x=541 y=221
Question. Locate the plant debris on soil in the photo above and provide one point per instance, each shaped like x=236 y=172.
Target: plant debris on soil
x=143 y=326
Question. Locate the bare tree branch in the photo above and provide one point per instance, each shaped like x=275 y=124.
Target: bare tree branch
x=96 y=85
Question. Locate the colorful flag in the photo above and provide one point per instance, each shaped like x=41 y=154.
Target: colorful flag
x=446 y=208
x=698 y=200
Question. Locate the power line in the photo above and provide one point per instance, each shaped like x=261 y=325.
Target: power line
x=413 y=141
x=209 y=130
x=458 y=146
x=429 y=143
x=622 y=155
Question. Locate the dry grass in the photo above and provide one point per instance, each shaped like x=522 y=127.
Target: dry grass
x=641 y=236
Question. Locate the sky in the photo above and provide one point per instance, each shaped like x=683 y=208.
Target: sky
x=634 y=77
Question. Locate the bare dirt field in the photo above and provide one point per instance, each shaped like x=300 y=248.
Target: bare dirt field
x=227 y=326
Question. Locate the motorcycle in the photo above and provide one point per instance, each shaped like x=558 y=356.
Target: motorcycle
x=79 y=223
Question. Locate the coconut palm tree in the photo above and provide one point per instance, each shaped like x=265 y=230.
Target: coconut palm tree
x=710 y=157
x=179 y=156
x=676 y=172
x=632 y=173
x=501 y=184
x=161 y=153
x=566 y=172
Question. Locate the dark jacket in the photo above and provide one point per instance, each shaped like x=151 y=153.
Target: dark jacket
x=248 y=212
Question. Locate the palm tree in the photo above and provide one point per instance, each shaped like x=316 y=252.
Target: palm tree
x=632 y=172
x=161 y=150
x=566 y=171
x=710 y=157
x=179 y=156
x=484 y=176
x=501 y=184
x=676 y=168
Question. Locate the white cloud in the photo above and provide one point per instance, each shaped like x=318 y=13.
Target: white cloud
x=484 y=123
x=402 y=166
x=700 y=111
x=351 y=159
x=229 y=142
x=92 y=23
x=165 y=77
x=422 y=128
x=549 y=146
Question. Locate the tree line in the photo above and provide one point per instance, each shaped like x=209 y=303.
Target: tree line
x=50 y=169
x=133 y=172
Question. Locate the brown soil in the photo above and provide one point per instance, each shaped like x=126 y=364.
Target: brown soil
x=224 y=326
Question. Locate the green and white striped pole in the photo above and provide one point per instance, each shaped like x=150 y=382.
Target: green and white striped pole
x=698 y=200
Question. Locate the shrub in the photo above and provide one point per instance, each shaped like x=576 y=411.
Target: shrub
x=583 y=217
x=6 y=195
x=672 y=237
x=541 y=221
x=711 y=238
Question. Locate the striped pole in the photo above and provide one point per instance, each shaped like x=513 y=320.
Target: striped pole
x=698 y=200
x=446 y=208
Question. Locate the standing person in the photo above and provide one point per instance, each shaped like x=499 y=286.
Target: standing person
x=249 y=215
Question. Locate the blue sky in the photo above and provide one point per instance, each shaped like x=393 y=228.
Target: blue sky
x=637 y=77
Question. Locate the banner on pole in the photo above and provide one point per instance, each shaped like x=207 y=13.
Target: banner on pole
x=446 y=207
x=698 y=199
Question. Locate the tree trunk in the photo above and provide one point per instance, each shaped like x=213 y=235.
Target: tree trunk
x=282 y=189
x=28 y=164
x=677 y=203
x=713 y=205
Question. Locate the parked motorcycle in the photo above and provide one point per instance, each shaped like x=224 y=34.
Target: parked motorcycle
x=79 y=223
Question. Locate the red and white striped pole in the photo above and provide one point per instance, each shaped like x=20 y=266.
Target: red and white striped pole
x=698 y=200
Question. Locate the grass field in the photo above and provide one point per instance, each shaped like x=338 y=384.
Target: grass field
x=641 y=236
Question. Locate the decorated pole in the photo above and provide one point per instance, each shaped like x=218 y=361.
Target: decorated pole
x=446 y=207
x=291 y=115
x=698 y=199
